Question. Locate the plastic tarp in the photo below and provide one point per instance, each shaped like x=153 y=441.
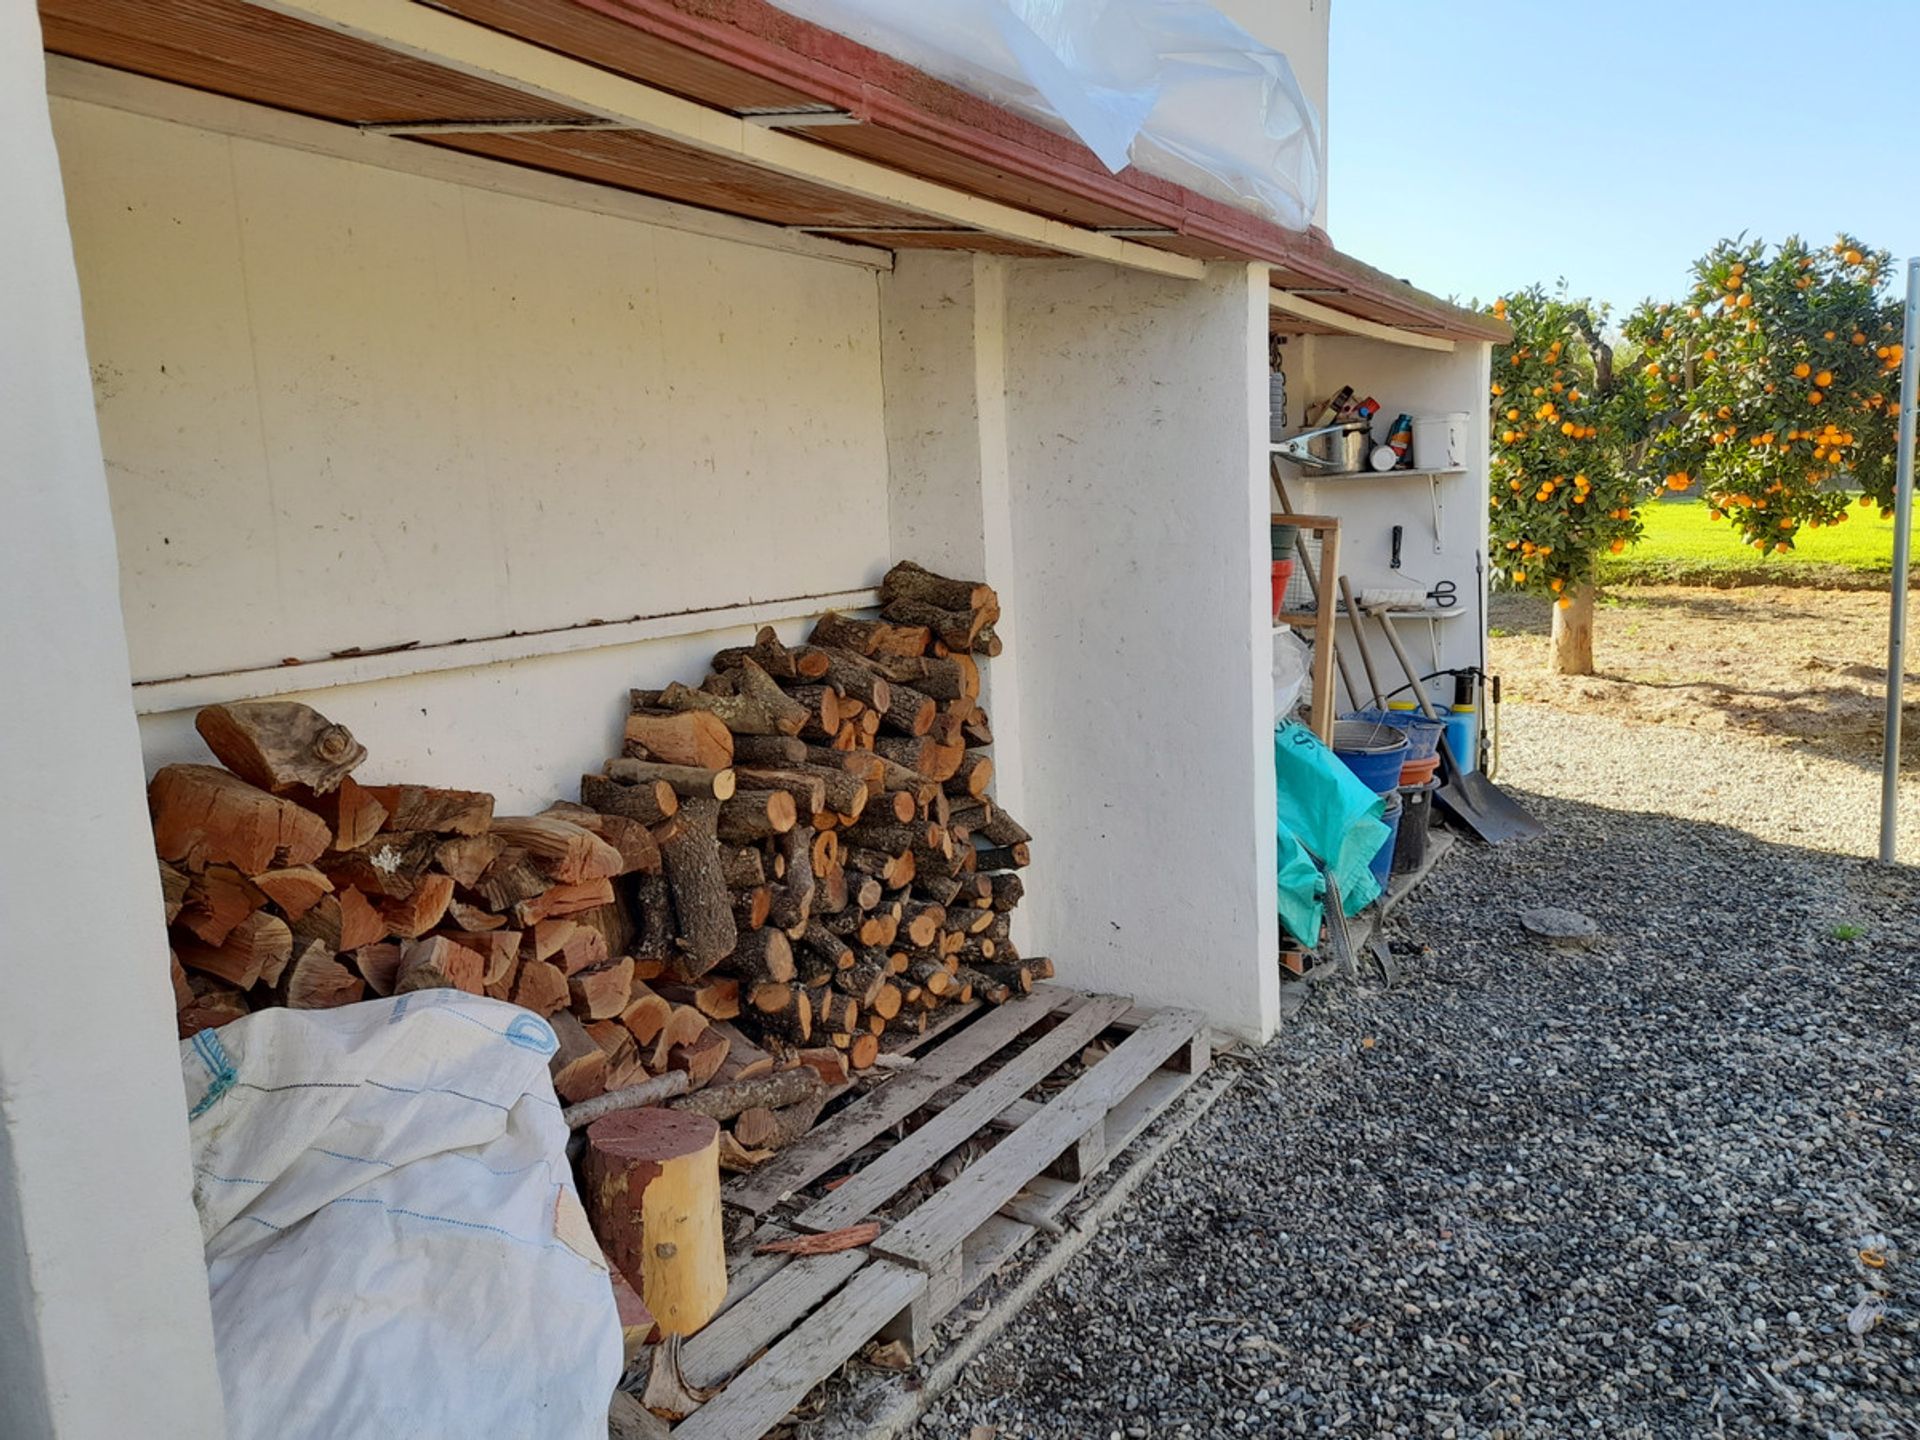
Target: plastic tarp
x=1322 y=811
x=1172 y=86
x=394 y=1245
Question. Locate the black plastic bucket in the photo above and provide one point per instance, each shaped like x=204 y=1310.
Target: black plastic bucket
x=1416 y=819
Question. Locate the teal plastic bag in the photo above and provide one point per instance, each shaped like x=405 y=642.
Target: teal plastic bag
x=1322 y=807
x=1303 y=894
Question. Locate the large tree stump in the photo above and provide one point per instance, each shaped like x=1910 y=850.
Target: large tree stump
x=652 y=1182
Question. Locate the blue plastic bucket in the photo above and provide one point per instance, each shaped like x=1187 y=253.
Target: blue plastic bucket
x=1423 y=735
x=1374 y=752
x=1382 y=863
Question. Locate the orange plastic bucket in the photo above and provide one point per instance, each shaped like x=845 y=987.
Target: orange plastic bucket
x=1418 y=772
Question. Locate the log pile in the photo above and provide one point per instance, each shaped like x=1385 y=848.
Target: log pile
x=835 y=869
x=783 y=866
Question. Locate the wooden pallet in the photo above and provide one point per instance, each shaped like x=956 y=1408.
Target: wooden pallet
x=789 y=1322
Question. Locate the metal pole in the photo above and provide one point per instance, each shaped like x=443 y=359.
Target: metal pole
x=1902 y=527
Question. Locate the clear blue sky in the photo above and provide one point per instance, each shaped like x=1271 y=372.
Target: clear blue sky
x=1477 y=146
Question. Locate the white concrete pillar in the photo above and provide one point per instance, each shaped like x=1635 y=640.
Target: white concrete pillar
x=943 y=359
x=1137 y=423
x=104 y=1323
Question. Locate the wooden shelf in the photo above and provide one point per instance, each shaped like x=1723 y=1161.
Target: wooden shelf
x=1318 y=477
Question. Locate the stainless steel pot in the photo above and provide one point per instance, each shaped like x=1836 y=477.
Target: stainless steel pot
x=1332 y=449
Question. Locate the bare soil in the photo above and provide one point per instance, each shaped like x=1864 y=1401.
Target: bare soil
x=1803 y=668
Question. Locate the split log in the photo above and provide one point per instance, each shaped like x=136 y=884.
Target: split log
x=353 y=815
x=630 y=838
x=775 y=658
x=583 y=948
x=745 y=1060
x=547 y=938
x=646 y=1012
x=423 y=807
x=216 y=900
x=755 y=815
x=566 y=852
x=784 y=1087
x=826 y=1062
x=295 y=890
x=974 y=774
x=511 y=880
x=257 y=949
x=695 y=739
x=601 y=992
x=869 y=637
x=689 y=782
x=715 y=996
x=540 y=987
x=499 y=951
x=379 y=966
x=280 y=744
x=391 y=864
x=649 y=801
x=438 y=963
x=466 y=857
x=684 y=1026
x=578 y=1066
x=221 y=1006
x=616 y=1043
x=419 y=912
x=203 y=816
x=652 y=1186
x=361 y=924
x=315 y=980
x=173 y=889
x=700 y=1060
x=614 y=923
x=555 y=900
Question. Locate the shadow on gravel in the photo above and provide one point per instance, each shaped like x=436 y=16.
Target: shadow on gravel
x=1535 y=1192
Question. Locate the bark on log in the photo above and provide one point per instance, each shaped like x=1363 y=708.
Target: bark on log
x=653 y=917
x=699 y=1060
x=757 y=707
x=908 y=711
x=702 y=905
x=715 y=996
x=203 y=816
x=769 y=752
x=656 y=1091
x=924 y=756
x=956 y=629
x=908 y=581
x=744 y=1061
x=973 y=775
x=941 y=680
x=1018 y=977
x=762 y=957
x=1003 y=857
x=868 y=637
x=280 y=744
x=652 y=1185
x=744 y=866
x=646 y=801
x=781 y=1088
x=689 y=782
x=823 y=711
x=775 y=658
x=807 y=787
x=793 y=901
x=751 y=907
x=756 y=815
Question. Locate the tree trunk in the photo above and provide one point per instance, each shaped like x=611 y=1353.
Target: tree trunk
x=1573 y=633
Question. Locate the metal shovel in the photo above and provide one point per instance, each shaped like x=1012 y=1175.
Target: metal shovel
x=1472 y=799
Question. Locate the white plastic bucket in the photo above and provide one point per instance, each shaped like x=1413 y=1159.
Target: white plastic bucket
x=1440 y=441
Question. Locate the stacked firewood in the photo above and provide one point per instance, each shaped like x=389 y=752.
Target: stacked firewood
x=287 y=882
x=834 y=867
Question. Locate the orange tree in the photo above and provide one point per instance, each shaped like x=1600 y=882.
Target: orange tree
x=1774 y=386
x=1561 y=492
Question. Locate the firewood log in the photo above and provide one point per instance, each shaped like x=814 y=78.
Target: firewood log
x=948 y=728
x=280 y=744
x=540 y=987
x=987 y=641
x=1008 y=890
x=216 y=900
x=973 y=776
x=511 y=880
x=578 y=1066
x=940 y=889
x=173 y=889
x=389 y=865
x=499 y=949
x=775 y=658
x=758 y=706
x=583 y=948
x=886 y=1001
x=744 y=1061
x=437 y=963
x=931 y=976
x=684 y=1026
x=647 y=801
x=953 y=628
x=822 y=704
x=564 y=851
x=751 y=907
x=756 y=815
x=715 y=996
x=863 y=979
x=693 y=738
x=793 y=1021
x=701 y=903
x=1003 y=857
x=315 y=980
x=940 y=680
x=600 y=992
x=922 y=922
x=908 y=581
x=1017 y=976
x=986 y=987
x=653 y=917
x=378 y=965
x=744 y=866
x=204 y=816
x=769 y=752
x=769 y=1091
x=835 y=1012
x=811 y=968
x=646 y=1013
x=623 y=1056
x=868 y=637
x=689 y=782
x=424 y=807
x=257 y=949
x=419 y=912
x=821 y=940
x=926 y=757
x=294 y=890
x=763 y=956
x=807 y=787
x=756 y=1127
x=908 y=711
x=793 y=900
x=829 y=1064
x=630 y=838
x=701 y=1059
x=353 y=815
x=651 y=1181
x=466 y=857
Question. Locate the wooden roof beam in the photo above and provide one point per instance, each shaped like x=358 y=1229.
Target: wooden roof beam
x=1284 y=302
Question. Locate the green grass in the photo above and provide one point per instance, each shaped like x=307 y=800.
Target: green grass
x=1683 y=547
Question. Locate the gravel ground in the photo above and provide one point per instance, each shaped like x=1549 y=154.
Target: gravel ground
x=1530 y=1192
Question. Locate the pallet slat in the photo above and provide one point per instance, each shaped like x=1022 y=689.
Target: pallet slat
x=932 y=1232
x=767 y=1389
x=725 y=1346
x=827 y=1145
x=920 y=1151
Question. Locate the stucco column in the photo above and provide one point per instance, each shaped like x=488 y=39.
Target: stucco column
x=104 y=1323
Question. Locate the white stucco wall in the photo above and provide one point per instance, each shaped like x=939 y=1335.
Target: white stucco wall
x=345 y=406
x=104 y=1325
x=1136 y=420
